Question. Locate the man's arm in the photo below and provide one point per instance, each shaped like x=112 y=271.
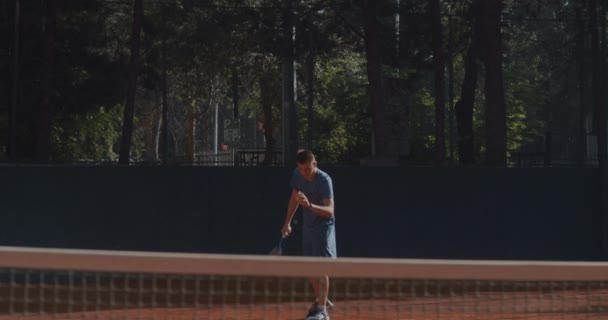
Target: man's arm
x=326 y=210
x=291 y=210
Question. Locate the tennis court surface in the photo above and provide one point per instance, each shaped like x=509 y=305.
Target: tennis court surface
x=91 y=284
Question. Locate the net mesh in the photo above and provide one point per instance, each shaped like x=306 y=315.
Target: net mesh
x=72 y=284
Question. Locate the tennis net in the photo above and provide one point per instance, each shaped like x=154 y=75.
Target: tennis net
x=40 y=283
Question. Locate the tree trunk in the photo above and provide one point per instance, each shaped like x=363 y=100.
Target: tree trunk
x=580 y=56
x=290 y=116
x=45 y=112
x=190 y=132
x=599 y=123
x=374 y=77
x=496 y=126
x=152 y=134
x=464 y=106
x=267 y=99
x=450 y=62
x=12 y=150
x=439 y=62
x=600 y=110
x=235 y=93
x=310 y=67
x=596 y=58
x=165 y=107
x=129 y=112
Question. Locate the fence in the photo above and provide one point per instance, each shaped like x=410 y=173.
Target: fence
x=239 y=158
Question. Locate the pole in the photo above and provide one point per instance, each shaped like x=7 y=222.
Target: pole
x=215 y=131
x=14 y=98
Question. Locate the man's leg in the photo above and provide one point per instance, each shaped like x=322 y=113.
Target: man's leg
x=320 y=286
x=323 y=291
x=315 y=284
x=308 y=250
x=318 y=310
x=321 y=247
x=327 y=249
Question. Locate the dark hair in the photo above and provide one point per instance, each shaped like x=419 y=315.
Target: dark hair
x=304 y=156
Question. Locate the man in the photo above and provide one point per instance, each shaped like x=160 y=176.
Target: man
x=313 y=190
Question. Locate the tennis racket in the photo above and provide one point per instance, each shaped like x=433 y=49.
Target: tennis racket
x=278 y=249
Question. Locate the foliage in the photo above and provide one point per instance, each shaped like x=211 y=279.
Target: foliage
x=422 y=137
x=208 y=42
x=341 y=119
x=92 y=136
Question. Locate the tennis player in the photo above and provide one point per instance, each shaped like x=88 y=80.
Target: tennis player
x=313 y=190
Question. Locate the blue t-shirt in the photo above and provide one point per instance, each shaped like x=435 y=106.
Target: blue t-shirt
x=316 y=190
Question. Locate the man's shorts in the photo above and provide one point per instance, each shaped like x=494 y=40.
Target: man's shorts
x=319 y=240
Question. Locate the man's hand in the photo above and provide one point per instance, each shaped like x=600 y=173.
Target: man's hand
x=286 y=230
x=302 y=200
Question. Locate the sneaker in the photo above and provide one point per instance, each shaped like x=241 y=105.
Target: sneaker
x=329 y=306
x=317 y=314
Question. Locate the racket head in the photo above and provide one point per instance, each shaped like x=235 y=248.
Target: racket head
x=278 y=249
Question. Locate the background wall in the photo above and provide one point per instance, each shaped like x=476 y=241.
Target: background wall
x=414 y=212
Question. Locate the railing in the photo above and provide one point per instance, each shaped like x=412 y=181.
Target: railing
x=239 y=158
x=542 y=159
x=258 y=157
x=214 y=159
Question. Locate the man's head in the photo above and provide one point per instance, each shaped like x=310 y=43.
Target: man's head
x=306 y=163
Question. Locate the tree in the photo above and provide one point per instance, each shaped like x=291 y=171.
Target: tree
x=357 y=56
x=439 y=61
x=496 y=128
x=45 y=113
x=269 y=98
x=13 y=123
x=598 y=83
x=580 y=58
x=129 y=112
x=290 y=121
x=599 y=118
x=165 y=106
x=374 y=76
x=464 y=106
